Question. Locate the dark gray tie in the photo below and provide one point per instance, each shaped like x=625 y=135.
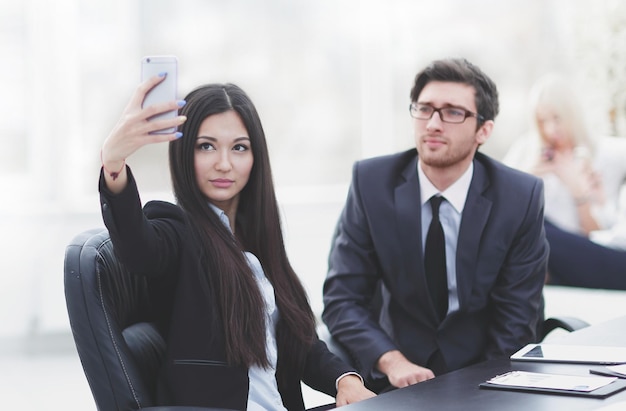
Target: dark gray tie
x=435 y=261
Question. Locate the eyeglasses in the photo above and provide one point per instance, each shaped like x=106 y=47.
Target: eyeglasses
x=454 y=115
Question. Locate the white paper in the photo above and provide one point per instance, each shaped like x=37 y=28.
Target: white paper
x=552 y=381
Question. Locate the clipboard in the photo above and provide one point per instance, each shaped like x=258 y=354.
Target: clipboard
x=602 y=392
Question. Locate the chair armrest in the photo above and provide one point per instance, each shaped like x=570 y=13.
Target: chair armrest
x=566 y=323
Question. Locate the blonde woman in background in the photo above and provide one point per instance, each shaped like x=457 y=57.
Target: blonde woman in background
x=583 y=176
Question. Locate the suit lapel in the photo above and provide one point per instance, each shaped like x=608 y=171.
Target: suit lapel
x=414 y=291
x=475 y=215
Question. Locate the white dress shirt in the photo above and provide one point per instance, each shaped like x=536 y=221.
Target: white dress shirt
x=450 y=213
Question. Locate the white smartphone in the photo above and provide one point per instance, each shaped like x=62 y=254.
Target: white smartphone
x=166 y=90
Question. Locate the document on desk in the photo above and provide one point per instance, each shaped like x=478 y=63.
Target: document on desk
x=527 y=379
x=583 y=386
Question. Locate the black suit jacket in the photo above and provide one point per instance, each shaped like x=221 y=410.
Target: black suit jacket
x=375 y=295
x=156 y=242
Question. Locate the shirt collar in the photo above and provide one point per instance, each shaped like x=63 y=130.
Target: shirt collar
x=222 y=215
x=456 y=194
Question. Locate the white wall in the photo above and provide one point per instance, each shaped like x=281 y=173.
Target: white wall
x=330 y=79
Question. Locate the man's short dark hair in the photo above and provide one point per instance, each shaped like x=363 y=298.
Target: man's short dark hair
x=461 y=71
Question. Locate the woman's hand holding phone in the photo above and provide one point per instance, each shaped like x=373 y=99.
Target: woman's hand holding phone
x=136 y=128
x=164 y=91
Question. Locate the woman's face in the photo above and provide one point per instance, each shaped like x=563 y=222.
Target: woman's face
x=552 y=128
x=223 y=159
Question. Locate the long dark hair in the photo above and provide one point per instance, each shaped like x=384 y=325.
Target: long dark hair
x=228 y=277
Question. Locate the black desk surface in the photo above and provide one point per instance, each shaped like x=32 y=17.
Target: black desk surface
x=459 y=390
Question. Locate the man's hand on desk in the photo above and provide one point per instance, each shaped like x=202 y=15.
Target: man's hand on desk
x=400 y=371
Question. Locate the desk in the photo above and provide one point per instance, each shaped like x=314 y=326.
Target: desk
x=458 y=390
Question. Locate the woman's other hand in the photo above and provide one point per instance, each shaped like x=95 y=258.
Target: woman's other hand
x=350 y=389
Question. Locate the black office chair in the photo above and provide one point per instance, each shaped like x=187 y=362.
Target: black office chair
x=113 y=323
x=562 y=322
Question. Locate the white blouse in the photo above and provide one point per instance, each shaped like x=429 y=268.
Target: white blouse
x=263 y=392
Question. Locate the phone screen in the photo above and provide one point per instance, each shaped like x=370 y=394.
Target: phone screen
x=166 y=90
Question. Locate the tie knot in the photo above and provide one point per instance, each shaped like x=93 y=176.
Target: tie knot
x=435 y=202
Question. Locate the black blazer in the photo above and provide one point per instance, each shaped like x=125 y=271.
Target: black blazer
x=500 y=262
x=156 y=242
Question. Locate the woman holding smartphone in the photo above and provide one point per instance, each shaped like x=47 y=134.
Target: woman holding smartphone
x=241 y=333
x=583 y=176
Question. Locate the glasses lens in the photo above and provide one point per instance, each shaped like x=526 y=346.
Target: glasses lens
x=452 y=115
x=422 y=111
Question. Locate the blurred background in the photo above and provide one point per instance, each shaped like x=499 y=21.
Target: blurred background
x=331 y=81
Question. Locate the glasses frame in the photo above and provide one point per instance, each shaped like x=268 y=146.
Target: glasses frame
x=438 y=111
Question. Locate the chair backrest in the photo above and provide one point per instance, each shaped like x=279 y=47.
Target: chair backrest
x=113 y=323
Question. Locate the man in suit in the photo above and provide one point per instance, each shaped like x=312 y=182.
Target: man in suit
x=381 y=296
